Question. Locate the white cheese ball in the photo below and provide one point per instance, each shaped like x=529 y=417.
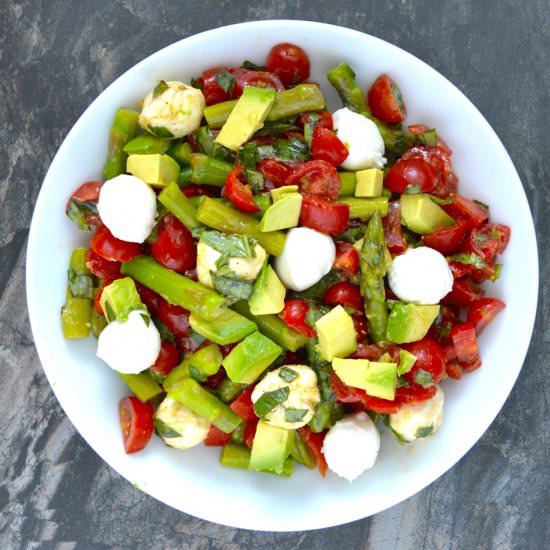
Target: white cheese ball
x=303 y=394
x=306 y=258
x=191 y=427
x=420 y=275
x=246 y=269
x=178 y=109
x=415 y=420
x=362 y=139
x=130 y=346
x=351 y=446
x=128 y=207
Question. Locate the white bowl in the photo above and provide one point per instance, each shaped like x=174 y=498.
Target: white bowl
x=192 y=481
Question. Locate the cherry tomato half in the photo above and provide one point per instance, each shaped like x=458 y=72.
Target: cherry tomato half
x=321 y=118
x=327 y=146
x=289 y=62
x=175 y=318
x=236 y=191
x=429 y=358
x=106 y=245
x=347 y=259
x=314 y=443
x=167 y=359
x=136 y=423
x=104 y=269
x=242 y=405
x=174 y=246
x=294 y=315
x=414 y=172
x=273 y=171
x=87 y=192
x=488 y=240
x=463 y=293
x=216 y=438
x=316 y=177
x=462 y=208
x=345 y=294
x=324 y=216
x=385 y=100
x=447 y=239
x=483 y=311
x=464 y=341
x=258 y=79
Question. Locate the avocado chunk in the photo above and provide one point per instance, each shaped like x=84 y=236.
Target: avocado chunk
x=336 y=333
x=369 y=182
x=155 y=169
x=406 y=362
x=283 y=213
x=249 y=358
x=377 y=378
x=268 y=295
x=421 y=215
x=271 y=447
x=247 y=117
x=409 y=322
x=278 y=192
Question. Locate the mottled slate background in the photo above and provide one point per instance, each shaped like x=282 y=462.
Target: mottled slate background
x=55 y=57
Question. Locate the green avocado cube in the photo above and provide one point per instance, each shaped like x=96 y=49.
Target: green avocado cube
x=369 y=182
x=421 y=215
x=409 y=322
x=283 y=213
x=155 y=169
x=249 y=358
x=278 y=192
x=268 y=295
x=271 y=447
x=336 y=333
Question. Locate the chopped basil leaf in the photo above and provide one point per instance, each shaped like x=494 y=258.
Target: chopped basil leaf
x=197 y=374
x=159 y=89
x=402 y=383
x=109 y=312
x=197 y=84
x=79 y=212
x=248 y=155
x=429 y=137
x=164 y=430
x=423 y=378
x=276 y=128
x=252 y=66
x=197 y=338
x=440 y=201
x=254 y=179
x=81 y=286
x=232 y=287
x=269 y=400
x=351 y=235
x=210 y=147
x=295 y=415
x=293 y=149
x=225 y=80
x=424 y=432
x=469 y=259
x=496 y=275
x=288 y=374
x=483 y=205
x=166 y=334
x=146 y=319
x=235 y=246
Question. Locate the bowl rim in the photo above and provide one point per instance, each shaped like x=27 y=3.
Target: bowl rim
x=531 y=298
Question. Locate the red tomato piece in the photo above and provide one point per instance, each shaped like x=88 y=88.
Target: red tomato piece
x=379 y=405
x=453 y=370
x=464 y=340
x=343 y=392
x=441 y=328
x=150 y=298
x=393 y=233
x=242 y=405
x=345 y=294
x=216 y=438
x=257 y=79
x=366 y=351
x=316 y=177
x=97 y=298
x=385 y=100
x=273 y=171
x=250 y=432
x=106 y=245
x=314 y=443
x=167 y=359
x=488 y=240
x=361 y=328
x=483 y=311
x=416 y=129
x=327 y=146
x=213 y=92
x=289 y=62
x=414 y=394
x=429 y=358
x=324 y=216
x=463 y=293
x=414 y=172
x=325 y=119
x=175 y=318
x=136 y=423
x=102 y=268
x=462 y=208
x=347 y=258
x=193 y=190
x=236 y=191
x=459 y=270
x=174 y=246
x=87 y=192
x=294 y=315
x=447 y=240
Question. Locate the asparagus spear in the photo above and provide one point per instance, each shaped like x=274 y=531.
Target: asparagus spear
x=123 y=129
x=364 y=208
x=372 y=260
x=209 y=171
x=172 y=197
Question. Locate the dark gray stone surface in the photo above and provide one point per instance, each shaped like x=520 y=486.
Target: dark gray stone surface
x=55 y=57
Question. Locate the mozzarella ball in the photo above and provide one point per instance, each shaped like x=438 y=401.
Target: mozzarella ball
x=130 y=346
x=362 y=139
x=246 y=269
x=128 y=207
x=351 y=446
x=306 y=258
x=191 y=427
x=415 y=420
x=303 y=394
x=420 y=275
x=174 y=112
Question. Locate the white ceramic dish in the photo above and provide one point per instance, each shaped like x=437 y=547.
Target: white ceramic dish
x=192 y=481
